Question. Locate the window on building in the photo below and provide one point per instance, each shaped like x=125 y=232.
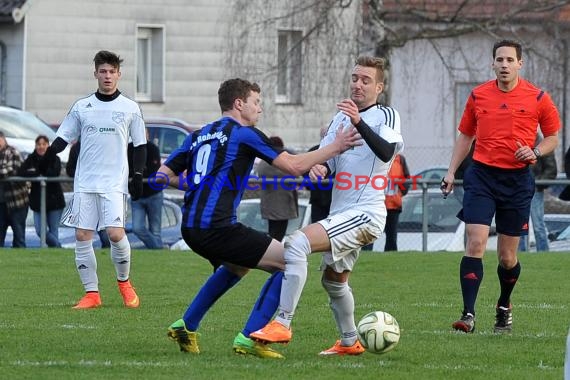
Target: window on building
x=289 y=66
x=150 y=64
x=462 y=92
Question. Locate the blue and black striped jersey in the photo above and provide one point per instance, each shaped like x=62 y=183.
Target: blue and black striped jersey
x=218 y=160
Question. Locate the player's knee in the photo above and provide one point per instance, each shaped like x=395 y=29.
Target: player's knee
x=297 y=247
x=476 y=246
x=335 y=289
x=116 y=234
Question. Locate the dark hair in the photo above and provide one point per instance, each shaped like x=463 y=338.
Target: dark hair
x=42 y=137
x=375 y=62
x=508 y=43
x=233 y=89
x=105 y=56
x=277 y=141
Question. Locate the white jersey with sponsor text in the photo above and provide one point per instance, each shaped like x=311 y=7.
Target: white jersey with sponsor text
x=104 y=128
x=361 y=162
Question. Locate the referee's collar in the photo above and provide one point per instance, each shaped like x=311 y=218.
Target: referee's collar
x=107 y=98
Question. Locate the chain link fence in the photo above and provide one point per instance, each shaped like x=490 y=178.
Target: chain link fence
x=427 y=223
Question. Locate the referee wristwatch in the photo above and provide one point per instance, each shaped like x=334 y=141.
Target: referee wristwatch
x=536 y=152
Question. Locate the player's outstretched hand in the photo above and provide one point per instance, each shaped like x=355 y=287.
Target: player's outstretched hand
x=136 y=186
x=318 y=171
x=347 y=138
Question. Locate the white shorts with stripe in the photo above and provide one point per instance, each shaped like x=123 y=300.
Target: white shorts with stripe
x=348 y=232
x=96 y=211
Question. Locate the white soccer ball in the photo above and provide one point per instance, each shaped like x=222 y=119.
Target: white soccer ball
x=378 y=332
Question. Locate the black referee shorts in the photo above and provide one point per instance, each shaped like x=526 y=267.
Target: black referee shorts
x=503 y=193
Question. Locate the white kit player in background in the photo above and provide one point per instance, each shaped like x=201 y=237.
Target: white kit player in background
x=357 y=214
x=104 y=122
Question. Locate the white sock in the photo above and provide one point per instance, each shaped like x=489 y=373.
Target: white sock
x=86 y=265
x=297 y=248
x=121 y=256
x=341 y=302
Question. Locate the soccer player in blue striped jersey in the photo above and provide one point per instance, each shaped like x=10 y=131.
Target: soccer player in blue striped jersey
x=214 y=164
x=357 y=214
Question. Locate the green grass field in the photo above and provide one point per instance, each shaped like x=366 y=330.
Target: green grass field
x=42 y=337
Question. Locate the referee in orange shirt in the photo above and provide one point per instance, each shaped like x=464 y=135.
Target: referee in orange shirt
x=502 y=117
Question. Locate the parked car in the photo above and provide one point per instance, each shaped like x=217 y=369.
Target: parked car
x=561 y=241
x=21 y=129
x=555 y=224
x=168 y=133
x=432 y=173
x=552 y=203
x=249 y=213
x=445 y=232
x=171 y=223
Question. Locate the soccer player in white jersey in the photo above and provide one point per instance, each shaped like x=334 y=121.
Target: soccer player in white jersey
x=104 y=121
x=357 y=214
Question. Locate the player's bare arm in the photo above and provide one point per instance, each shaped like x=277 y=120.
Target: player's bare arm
x=173 y=178
x=460 y=151
x=530 y=154
x=300 y=163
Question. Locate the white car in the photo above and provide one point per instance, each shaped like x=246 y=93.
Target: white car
x=445 y=232
x=21 y=129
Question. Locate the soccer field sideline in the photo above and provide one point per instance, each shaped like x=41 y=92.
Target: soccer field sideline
x=38 y=288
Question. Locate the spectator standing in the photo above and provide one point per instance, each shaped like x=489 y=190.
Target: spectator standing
x=278 y=203
x=38 y=164
x=13 y=196
x=394 y=194
x=70 y=170
x=544 y=168
x=147 y=208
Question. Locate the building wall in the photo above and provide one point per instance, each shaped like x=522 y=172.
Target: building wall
x=328 y=56
x=207 y=41
x=12 y=37
x=64 y=35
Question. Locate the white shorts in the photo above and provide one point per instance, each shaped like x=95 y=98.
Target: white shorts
x=96 y=211
x=348 y=232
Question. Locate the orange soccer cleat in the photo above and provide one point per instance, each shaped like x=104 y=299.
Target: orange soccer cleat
x=273 y=332
x=90 y=300
x=337 y=349
x=130 y=297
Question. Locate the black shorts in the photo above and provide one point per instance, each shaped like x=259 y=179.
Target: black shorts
x=503 y=193
x=235 y=244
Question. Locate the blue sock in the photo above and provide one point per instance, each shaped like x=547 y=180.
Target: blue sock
x=266 y=304
x=217 y=284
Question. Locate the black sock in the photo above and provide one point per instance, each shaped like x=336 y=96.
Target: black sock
x=508 y=279
x=470 y=276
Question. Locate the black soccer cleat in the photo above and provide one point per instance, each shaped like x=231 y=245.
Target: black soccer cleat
x=466 y=323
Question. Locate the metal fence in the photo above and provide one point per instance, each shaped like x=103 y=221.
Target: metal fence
x=423 y=184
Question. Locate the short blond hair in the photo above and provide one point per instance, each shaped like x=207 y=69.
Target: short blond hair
x=375 y=62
